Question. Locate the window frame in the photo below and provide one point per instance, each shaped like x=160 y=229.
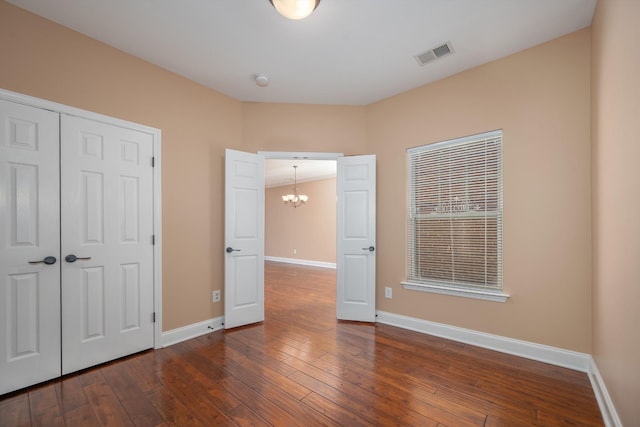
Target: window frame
x=452 y=211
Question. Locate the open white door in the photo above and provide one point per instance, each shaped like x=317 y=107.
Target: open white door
x=244 y=239
x=356 y=242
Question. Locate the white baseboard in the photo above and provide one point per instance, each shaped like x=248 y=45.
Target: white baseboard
x=609 y=414
x=194 y=330
x=553 y=355
x=301 y=262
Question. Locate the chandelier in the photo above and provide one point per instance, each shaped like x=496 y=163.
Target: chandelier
x=295 y=9
x=295 y=199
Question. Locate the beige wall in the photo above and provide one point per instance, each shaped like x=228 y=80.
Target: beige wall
x=309 y=229
x=540 y=98
x=616 y=202
x=296 y=128
x=48 y=61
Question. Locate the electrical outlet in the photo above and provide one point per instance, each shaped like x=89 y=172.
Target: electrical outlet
x=388 y=292
x=216 y=296
x=295 y=251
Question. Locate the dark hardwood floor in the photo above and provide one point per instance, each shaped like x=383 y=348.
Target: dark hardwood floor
x=303 y=368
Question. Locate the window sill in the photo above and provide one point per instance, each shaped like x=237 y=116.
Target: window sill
x=495 y=296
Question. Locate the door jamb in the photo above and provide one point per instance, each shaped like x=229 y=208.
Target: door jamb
x=295 y=155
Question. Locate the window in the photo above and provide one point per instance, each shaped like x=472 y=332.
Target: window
x=455 y=217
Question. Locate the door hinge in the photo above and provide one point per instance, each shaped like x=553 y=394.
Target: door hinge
x=153 y=317
x=153 y=239
x=153 y=162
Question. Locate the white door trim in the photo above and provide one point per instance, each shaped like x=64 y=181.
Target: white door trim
x=157 y=183
x=295 y=155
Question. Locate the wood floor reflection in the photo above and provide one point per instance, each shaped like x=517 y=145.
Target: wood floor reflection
x=301 y=367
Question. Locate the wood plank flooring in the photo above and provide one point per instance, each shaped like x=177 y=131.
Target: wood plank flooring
x=303 y=368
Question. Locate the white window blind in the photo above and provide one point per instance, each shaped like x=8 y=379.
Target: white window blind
x=455 y=213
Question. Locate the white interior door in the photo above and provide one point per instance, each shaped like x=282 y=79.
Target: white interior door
x=29 y=232
x=107 y=248
x=244 y=239
x=356 y=241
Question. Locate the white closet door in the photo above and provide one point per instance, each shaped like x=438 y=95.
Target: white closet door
x=29 y=232
x=107 y=225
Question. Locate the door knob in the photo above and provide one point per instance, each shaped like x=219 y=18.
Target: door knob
x=370 y=249
x=47 y=260
x=230 y=249
x=73 y=258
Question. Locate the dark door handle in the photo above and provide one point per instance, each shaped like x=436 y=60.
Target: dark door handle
x=47 y=260
x=230 y=249
x=73 y=258
x=370 y=249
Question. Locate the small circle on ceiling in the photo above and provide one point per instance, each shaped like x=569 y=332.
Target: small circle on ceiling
x=262 y=80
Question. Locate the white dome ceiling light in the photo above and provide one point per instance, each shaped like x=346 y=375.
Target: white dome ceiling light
x=295 y=9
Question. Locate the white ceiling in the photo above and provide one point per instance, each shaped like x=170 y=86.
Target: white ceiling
x=351 y=52
x=280 y=172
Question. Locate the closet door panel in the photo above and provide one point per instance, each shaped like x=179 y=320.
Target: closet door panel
x=107 y=225
x=29 y=235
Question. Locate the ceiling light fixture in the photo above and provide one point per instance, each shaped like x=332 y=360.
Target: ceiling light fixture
x=295 y=9
x=295 y=199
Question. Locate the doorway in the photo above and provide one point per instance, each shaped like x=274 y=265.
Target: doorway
x=244 y=236
x=355 y=231
x=303 y=236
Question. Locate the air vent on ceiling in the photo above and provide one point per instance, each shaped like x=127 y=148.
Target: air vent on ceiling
x=435 y=53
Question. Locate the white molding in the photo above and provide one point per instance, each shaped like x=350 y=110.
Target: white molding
x=495 y=296
x=301 y=262
x=194 y=330
x=299 y=155
x=156 y=134
x=157 y=232
x=543 y=353
x=608 y=411
x=31 y=101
